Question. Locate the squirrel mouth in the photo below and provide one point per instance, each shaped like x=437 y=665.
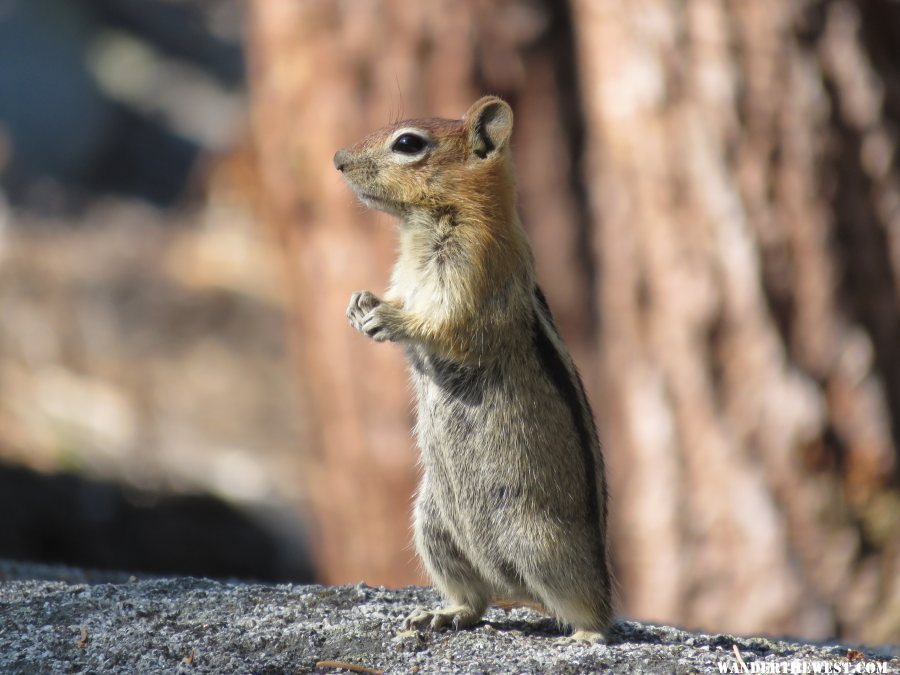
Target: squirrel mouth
x=378 y=201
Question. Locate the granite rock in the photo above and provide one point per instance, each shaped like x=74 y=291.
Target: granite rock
x=81 y=623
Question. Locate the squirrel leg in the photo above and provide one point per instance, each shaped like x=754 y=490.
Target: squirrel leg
x=453 y=575
x=573 y=584
x=588 y=614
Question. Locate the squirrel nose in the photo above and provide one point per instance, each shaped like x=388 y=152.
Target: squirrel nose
x=340 y=160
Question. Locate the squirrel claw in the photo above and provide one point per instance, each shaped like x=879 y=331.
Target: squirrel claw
x=361 y=305
x=581 y=637
x=373 y=317
x=377 y=326
x=434 y=619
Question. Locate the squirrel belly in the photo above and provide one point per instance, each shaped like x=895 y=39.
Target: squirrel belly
x=514 y=478
x=512 y=501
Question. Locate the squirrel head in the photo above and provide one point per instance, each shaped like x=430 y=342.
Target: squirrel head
x=425 y=165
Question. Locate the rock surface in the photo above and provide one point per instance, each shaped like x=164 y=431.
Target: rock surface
x=190 y=625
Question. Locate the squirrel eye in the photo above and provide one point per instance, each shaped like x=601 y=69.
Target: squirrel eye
x=408 y=144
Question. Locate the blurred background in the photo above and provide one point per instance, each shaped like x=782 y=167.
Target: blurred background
x=147 y=415
x=712 y=190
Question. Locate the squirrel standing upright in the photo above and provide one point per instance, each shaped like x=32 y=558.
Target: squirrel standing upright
x=512 y=500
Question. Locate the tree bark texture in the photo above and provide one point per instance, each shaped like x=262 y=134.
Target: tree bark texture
x=712 y=192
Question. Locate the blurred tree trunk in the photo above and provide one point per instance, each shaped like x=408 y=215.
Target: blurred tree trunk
x=747 y=208
x=712 y=194
x=324 y=74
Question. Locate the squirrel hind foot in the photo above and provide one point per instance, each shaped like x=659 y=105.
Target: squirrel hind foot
x=457 y=618
x=582 y=637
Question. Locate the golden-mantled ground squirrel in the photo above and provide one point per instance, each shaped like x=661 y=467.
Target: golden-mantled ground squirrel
x=512 y=502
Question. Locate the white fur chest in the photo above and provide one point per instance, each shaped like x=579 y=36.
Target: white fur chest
x=419 y=279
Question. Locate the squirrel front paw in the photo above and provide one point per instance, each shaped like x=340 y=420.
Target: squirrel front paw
x=374 y=317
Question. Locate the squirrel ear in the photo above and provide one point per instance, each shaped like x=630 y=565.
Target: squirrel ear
x=489 y=125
